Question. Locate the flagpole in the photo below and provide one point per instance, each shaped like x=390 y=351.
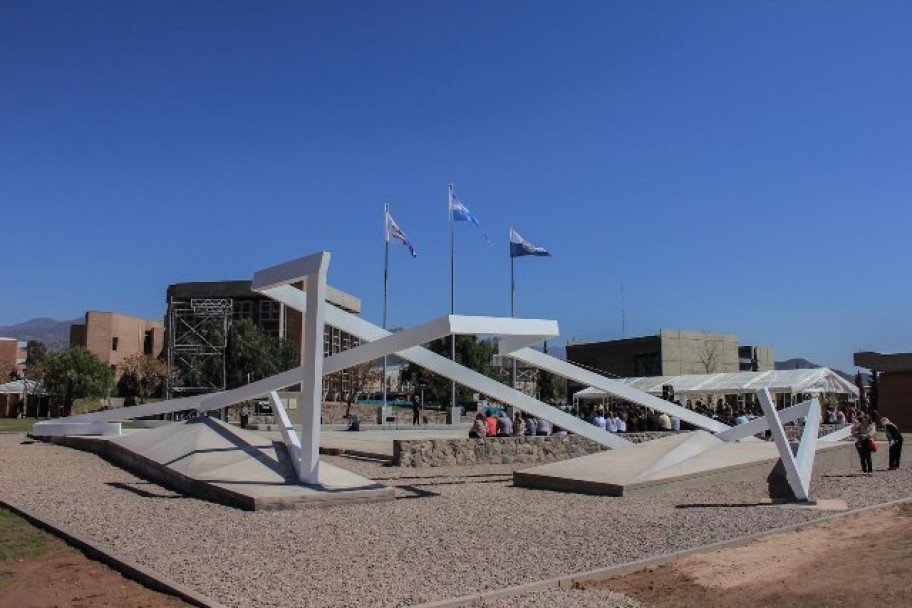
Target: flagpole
x=512 y=300
x=386 y=255
x=452 y=290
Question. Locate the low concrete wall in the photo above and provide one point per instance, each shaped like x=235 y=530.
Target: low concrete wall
x=499 y=450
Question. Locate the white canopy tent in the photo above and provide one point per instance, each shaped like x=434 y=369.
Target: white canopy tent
x=20 y=387
x=793 y=381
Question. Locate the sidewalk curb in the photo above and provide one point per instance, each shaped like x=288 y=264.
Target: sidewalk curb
x=568 y=581
x=102 y=553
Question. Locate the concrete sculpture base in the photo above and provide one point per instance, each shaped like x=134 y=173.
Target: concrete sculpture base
x=694 y=459
x=209 y=459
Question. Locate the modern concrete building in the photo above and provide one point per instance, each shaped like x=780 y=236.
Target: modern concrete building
x=756 y=358
x=668 y=353
x=894 y=385
x=112 y=337
x=12 y=358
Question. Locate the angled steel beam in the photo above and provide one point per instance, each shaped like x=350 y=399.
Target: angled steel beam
x=807 y=446
x=760 y=425
x=289 y=435
x=843 y=433
x=527 y=330
x=792 y=475
x=618 y=389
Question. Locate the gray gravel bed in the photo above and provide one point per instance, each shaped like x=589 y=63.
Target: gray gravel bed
x=578 y=598
x=451 y=531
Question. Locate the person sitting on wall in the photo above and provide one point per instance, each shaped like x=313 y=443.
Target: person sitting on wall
x=600 y=421
x=620 y=421
x=504 y=425
x=611 y=422
x=519 y=425
x=531 y=425
x=544 y=428
x=479 y=427
x=559 y=432
x=491 y=421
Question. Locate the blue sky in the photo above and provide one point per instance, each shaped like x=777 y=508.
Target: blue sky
x=741 y=167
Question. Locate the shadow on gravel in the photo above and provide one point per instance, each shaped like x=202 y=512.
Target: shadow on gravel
x=712 y=505
x=844 y=475
x=445 y=475
x=140 y=492
x=416 y=493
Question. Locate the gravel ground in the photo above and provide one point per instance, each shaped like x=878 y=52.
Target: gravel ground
x=451 y=531
x=578 y=598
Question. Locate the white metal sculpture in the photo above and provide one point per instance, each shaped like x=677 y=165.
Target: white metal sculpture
x=515 y=336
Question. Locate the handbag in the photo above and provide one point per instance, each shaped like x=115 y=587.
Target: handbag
x=872 y=444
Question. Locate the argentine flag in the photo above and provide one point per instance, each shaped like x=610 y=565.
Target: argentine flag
x=520 y=246
x=394 y=231
x=461 y=213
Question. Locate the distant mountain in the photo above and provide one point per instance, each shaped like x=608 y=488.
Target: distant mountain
x=805 y=364
x=54 y=334
x=558 y=352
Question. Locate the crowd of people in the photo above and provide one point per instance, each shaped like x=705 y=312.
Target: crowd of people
x=499 y=424
x=626 y=418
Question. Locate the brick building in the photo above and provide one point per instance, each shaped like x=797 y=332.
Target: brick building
x=894 y=385
x=112 y=337
x=12 y=358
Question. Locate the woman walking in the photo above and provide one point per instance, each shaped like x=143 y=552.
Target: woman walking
x=863 y=431
x=895 y=438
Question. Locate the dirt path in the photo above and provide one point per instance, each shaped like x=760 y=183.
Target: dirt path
x=62 y=576
x=864 y=559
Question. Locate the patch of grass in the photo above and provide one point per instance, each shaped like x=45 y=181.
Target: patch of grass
x=17 y=425
x=84 y=406
x=19 y=539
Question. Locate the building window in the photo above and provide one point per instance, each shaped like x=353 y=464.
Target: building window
x=147 y=343
x=269 y=311
x=243 y=309
x=647 y=364
x=114 y=342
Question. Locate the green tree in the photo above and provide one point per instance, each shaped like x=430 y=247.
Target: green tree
x=35 y=353
x=253 y=354
x=76 y=373
x=35 y=357
x=472 y=352
x=874 y=394
x=359 y=377
x=142 y=376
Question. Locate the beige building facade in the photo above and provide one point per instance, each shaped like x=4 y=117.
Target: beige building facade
x=112 y=337
x=671 y=353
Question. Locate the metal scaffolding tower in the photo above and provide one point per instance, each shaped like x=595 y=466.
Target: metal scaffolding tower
x=197 y=341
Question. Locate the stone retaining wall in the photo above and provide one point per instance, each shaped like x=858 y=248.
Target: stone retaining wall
x=498 y=450
x=519 y=450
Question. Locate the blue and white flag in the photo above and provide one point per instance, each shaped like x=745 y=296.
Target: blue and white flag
x=520 y=246
x=461 y=213
x=394 y=231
